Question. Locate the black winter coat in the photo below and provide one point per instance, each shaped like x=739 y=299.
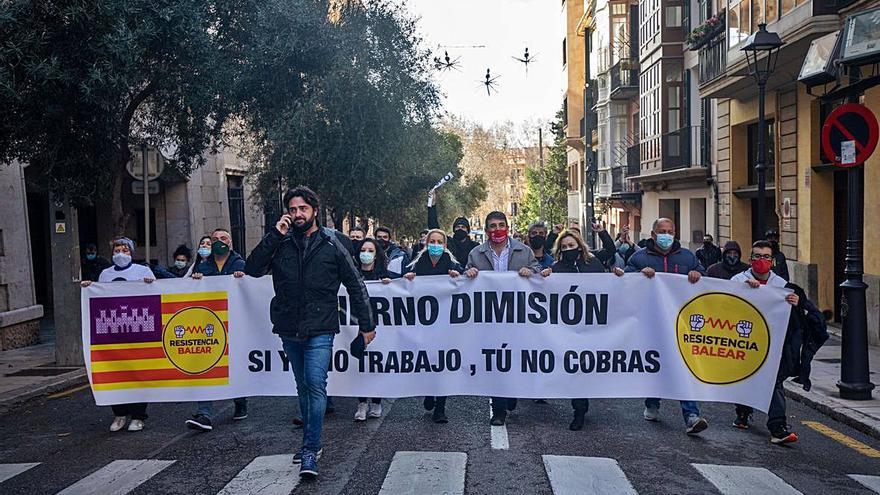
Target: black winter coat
x=424 y=266
x=725 y=271
x=460 y=249
x=234 y=263
x=806 y=333
x=593 y=265
x=306 y=280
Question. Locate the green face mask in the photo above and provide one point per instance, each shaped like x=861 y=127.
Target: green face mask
x=219 y=248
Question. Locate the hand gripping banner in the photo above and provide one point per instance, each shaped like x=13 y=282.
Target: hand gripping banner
x=566 y=336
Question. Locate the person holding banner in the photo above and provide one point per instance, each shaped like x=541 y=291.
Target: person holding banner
x=124 y=270
x=222 y=261
x=371 y=263
x=308 y=265
x=663 y=253
x=434 y=259
x=573 y=256
x=502 y=253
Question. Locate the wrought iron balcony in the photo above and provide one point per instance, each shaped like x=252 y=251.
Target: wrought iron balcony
x=633 y=161
x=625 y=79
x=713 y=59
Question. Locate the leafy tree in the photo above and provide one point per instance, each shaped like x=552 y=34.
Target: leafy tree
x=552 y=181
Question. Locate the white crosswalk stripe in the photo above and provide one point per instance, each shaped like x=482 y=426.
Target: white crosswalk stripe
x=425 y=472
x=498 y=434
x=266 y=475
x=735 y=480
x=117 y=478
x=870 y=482
x=9 y=470
x=572 y=475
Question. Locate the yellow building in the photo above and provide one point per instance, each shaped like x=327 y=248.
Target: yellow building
x=806 y=195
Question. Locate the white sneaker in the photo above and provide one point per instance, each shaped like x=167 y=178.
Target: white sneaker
x=136 y=425
x=361 y=414
x=375 y=410
x=651 y=414
x=118 y=423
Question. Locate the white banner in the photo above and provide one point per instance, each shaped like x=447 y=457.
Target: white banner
x=566 y=336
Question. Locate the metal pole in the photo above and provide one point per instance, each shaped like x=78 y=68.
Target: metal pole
x=541 y=154
x=760 y=167
x=146 y=178
x=854 y=381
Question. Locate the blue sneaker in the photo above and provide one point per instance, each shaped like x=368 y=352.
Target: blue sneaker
x=298 y=457
x=309 y=466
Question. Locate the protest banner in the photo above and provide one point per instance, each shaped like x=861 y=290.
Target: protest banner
x=566 y=336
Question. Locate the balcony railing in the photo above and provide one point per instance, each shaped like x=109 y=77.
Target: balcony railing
x=625 y=76
x=681 y=149
x=633 y=163
x=713 y=59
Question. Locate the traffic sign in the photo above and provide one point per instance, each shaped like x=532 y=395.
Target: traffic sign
x=849 y=135
x=155 y=164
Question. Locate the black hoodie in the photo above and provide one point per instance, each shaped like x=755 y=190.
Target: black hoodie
x=722 y=269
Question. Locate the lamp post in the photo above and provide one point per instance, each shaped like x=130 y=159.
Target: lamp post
x=762 y=42
x=592 y=177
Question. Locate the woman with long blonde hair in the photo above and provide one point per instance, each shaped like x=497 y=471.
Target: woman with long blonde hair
x=434 y=259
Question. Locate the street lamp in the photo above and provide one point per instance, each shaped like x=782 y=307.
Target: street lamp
x=592 y=178
x=762 y=42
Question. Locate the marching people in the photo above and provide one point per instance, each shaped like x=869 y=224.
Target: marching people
x=371 y=263
x=222 y=261
x=397 y=257
x=124 y=269
x=92 y=265
x=308 y=265
x=663 y=253
x=502 y=253
x=182 y=257
x=460 y=243
x=435 y=259
x=709 y=253
x=805 y=334
x=731 y=263
x=780 y=266
x=202 y=253
x=573 y=256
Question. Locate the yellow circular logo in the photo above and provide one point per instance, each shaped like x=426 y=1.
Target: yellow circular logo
x=194 y=340
x=722 y=338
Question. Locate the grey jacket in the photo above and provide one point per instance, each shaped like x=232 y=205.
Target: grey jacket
x=520 y=256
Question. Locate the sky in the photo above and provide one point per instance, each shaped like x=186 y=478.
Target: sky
x=505 y=27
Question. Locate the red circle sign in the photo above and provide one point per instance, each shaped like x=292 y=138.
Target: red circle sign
x=854 y=123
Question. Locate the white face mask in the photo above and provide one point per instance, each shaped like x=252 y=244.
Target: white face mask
x=180 y=264
x=121 y=260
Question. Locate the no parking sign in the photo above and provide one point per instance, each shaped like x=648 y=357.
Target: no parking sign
x=849 y=135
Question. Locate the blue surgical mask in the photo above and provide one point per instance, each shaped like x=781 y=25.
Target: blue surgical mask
x=204 y=252
x=91 y=256
x=180 y=264
x=367 y=258
x=623 y=248
x=664 y=241
x=435 y=250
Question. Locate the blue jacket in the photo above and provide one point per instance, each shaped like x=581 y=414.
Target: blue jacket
x=677 y=260
x=235 y=263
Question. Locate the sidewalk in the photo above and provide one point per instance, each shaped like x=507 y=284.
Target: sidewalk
x=863 y=415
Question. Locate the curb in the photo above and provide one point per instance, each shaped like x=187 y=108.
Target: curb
x=28 y=392
x=850 y=417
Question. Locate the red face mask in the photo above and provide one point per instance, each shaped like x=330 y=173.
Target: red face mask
x=761 y=267
x=498 y=236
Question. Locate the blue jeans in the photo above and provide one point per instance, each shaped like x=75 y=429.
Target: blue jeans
x=206 y=408
x=310 y=361
x=688 y=407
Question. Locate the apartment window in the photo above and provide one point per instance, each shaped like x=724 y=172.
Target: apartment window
x=673 y=100
x=235 y=193
x=771 y=11
x=757 y=14
x=673 y=16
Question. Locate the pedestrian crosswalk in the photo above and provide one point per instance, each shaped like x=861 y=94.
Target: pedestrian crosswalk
x=436 y=472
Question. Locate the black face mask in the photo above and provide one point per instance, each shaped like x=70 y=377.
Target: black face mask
x=571 y=255
x=537 y=242
x=707 y=243
x=384 y=244
x=303 y=228
x=459 y=235
x=731 y=260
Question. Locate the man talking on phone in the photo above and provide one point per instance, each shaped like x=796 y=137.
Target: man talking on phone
x=308 y=264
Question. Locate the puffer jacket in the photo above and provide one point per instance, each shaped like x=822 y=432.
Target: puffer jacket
x=307 y=282
x=677 y=260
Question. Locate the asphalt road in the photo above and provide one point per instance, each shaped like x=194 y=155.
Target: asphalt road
x=617 y=451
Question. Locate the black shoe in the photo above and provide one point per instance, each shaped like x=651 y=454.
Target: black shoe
x=577 y=423
x=781 y=435
x=428 y=403
x=297 y=422
x=511 y=404
x=742 y=421
x=498 y=418
x=200 y=422
x=439 y=416
x=541 y=401
x=240 y=412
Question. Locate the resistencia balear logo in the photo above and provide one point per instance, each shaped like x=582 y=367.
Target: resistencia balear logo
x=722 y=338
x=194 y=340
